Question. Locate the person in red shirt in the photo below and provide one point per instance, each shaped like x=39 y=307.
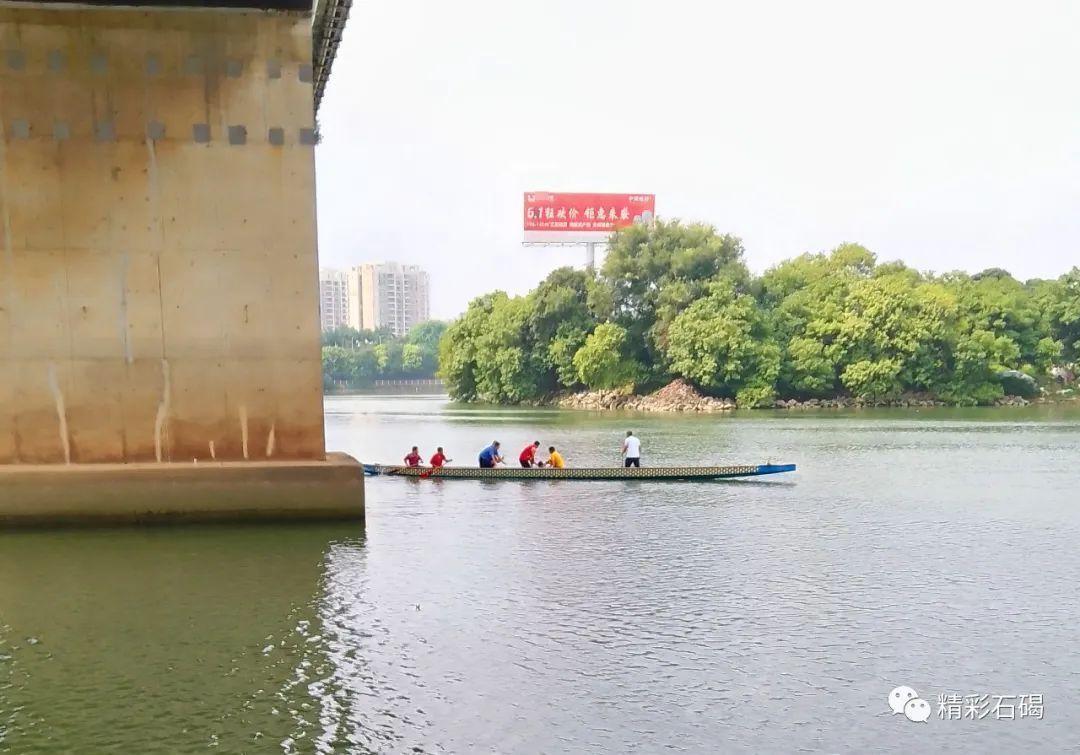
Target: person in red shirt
x=439 y=458
x=413 y=459
x=528 y=455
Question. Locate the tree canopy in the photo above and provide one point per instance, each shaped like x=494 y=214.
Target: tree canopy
x=357 y=358
x=677 y=300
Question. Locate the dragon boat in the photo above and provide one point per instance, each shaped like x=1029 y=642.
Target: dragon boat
x=578 y=473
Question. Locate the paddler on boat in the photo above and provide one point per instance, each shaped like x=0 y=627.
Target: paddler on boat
x=555 y=459
x=439 y=458
x=631 y=450
x=413 y=459
x=528 y=455
x=489 y=457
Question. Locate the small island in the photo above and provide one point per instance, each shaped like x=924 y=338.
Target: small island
x=675 y=321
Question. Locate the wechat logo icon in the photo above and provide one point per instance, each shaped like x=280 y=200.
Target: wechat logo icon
x=907 y=701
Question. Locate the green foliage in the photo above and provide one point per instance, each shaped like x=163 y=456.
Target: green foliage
x=560 y=354
x=1060 y=299
x=509 y=350
x=675 y=300
x=810 y=369
x=873 y=379
x=651 y=273
x=721 y=343
x=1006 y=307
x=357 y=359
x=507 y=368
x=559 y=321
x=457 y=348
x=489 y=355
x=382 y=356
x=560 y=303
x=351 y=338
x=420 y=352
x=412 y=357
x=601 y=363
x=335 y=363
x=807 y=298
x=1066 y=313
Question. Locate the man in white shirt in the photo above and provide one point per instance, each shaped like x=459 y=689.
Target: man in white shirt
x=631 y=449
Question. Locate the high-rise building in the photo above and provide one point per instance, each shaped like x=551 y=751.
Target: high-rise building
x=333 y=299
x=387 y=295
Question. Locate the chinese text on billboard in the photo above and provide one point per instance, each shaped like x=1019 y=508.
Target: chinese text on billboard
x=575 y=214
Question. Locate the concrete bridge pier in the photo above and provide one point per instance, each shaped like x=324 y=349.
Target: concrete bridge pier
x=159 y=335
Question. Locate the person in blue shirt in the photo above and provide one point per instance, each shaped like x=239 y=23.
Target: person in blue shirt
x=489 y=457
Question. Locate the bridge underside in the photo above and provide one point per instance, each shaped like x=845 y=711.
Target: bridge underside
x=327 y=27
x=293 y=5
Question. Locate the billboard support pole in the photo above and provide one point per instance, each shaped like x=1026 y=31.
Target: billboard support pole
x=590 y=255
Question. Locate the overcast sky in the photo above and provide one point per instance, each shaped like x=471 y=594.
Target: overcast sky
x=945 y=134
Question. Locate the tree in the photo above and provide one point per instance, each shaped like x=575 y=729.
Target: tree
x=807 y=300
x=351 y=338
x=872 y=378
x=1060 y=299
x=365 y=367
x=993 y=273
x=412 y=358
x=893 y=328
x=601 y=362
x=677 y=300
x=1005 y=307
x=970 y=378
x=382 y=357
x=652 y=272
x=489 y=355
x=426 y=334
x=343 y=336
x=356 y=368
x=560 y=303
x=845 y=263
x=335 y=363
x=425 y=337
x=509 y=369
x=559 y=321
x=1066 y=315
x=560 y=354
x=721 y=343
x=457 y=348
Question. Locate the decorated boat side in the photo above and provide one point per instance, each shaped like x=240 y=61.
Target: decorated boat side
x=578 y=473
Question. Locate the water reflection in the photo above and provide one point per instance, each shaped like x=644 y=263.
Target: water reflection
x=192 y=636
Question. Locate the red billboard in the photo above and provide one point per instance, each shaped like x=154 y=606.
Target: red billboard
x=552 y=216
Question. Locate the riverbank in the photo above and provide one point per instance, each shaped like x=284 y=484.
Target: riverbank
x=680 y=396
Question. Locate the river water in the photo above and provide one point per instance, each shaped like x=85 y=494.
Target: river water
x=935 y=549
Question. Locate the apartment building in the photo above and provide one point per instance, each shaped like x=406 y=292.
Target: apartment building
x=388 y=295
x=333 y=299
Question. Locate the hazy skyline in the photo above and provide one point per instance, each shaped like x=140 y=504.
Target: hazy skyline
x=946 y=135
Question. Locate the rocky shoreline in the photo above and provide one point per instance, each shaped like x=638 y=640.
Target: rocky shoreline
x=680 y=396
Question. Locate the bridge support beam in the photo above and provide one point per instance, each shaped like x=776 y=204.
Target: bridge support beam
x=100 y=494
x=158 y=264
